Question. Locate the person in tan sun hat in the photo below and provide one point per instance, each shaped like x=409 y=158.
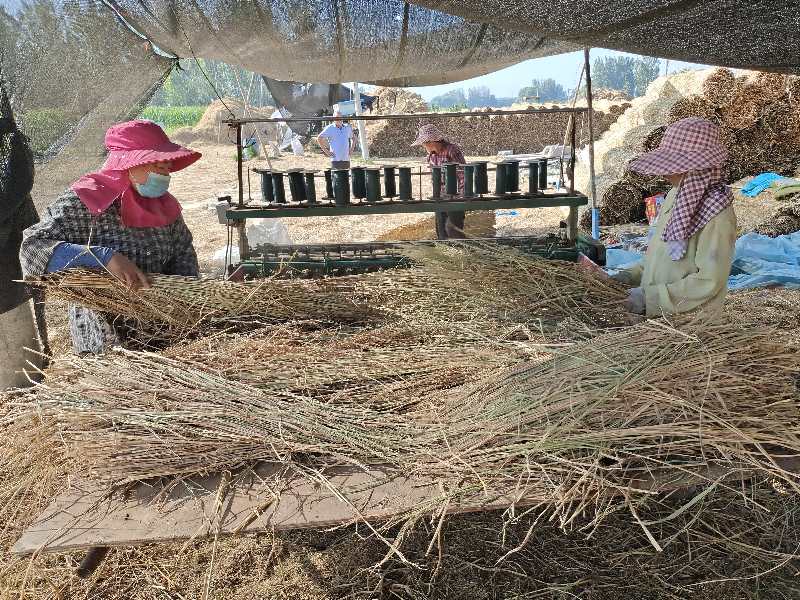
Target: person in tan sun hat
x=688 y=261
x=449 y=225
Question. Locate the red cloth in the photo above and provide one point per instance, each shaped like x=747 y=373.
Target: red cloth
x=132 y=144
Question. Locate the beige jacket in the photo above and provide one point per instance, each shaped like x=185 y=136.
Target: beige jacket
x=699 y=279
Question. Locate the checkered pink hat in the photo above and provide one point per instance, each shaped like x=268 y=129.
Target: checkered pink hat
x=691 y=144
x=428 y=133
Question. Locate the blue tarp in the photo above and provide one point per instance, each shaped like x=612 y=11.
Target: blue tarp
x=759 y=183
x=759 y=261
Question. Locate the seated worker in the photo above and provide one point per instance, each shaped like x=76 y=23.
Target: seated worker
x=449 y=225
x=688 y=261
x=121 y=218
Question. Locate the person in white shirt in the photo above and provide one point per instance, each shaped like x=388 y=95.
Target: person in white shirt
x=337 y=141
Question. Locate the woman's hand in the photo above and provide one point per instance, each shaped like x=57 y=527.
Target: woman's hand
x=127 y=272
x=635 y=302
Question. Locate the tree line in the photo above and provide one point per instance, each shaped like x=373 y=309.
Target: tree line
x=628 y=74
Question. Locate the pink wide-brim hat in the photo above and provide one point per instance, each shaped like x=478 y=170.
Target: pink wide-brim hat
x=428 y=133
x=135 y=143
x=691 y=144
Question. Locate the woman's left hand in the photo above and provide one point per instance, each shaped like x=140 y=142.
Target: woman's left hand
x=635 y=302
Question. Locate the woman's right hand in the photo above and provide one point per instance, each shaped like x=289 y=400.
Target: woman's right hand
x=127 y=272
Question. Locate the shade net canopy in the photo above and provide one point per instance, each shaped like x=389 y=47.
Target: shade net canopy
x=388 y=42
x=759 y=34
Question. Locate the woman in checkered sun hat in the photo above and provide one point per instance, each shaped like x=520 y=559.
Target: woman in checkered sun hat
x=688 y=261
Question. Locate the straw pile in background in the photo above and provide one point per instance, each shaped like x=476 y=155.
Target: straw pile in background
x=759 y=114
x=477 y=136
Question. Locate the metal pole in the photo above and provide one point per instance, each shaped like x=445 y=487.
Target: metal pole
x=592 y=183
x=241 y=226
x=362 y=132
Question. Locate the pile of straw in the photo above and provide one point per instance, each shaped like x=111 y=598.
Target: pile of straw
x=488 y=285
x=186 y=303
x=577 y=428
x=494 y=284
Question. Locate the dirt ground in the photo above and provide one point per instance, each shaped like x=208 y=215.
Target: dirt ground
x=215 y=175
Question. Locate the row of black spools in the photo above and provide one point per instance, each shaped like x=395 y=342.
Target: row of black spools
x=364 y=183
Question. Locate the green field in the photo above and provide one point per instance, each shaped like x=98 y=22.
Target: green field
x=173 y=117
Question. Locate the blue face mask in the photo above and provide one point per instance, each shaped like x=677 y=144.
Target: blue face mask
x=155 y=186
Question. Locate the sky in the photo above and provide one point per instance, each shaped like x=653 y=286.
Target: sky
x=564 y=68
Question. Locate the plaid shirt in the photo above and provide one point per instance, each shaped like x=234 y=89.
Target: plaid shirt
x=451 y=154
x=166 y=250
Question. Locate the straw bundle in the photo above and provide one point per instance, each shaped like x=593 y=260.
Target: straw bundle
x=185 y=303
x=719 y=87
x=785 y=220
x=485 y=283
x=133 y=415
x=620 y=407
x=693 y=106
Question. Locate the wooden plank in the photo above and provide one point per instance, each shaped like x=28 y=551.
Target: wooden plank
x=88 y=516
x=269 y=496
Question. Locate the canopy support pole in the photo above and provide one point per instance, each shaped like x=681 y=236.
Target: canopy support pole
x=362 y=132
x=592 y=183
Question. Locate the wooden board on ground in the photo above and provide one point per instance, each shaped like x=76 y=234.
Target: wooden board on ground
x=270 y=496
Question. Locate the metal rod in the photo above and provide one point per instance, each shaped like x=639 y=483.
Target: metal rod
x=362 y=133
x=373 y=185
x=572 y=140
x=410 y=117
x=249 y=191
x=592 y=183
x=451 y=179
x=389 y=187
x=358 y=182
x=405 y=184
x=469 y=181
x=436 y=182
x=239 y=163
x=311 y=189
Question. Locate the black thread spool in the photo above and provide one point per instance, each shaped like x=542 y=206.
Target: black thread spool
x=451 y=179
x=373 y=185
x=359 y=182
x=311 y=187
x=481 y=177
x=436 y=182
x=277 y=187
x=469 y=181
x=500 y=179
x=266 y=185
x=533 y=178
x=543 y=174
x=341 y=187
x=404 y=175
x=389 y=186
x=512 y=176
x=297 y=185
x=328 y=184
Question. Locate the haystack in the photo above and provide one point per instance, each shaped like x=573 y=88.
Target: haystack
x=211 y=129
x=760 y=119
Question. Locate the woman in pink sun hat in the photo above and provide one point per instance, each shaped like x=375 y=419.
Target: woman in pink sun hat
x=688 y=261
x=121 y=218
